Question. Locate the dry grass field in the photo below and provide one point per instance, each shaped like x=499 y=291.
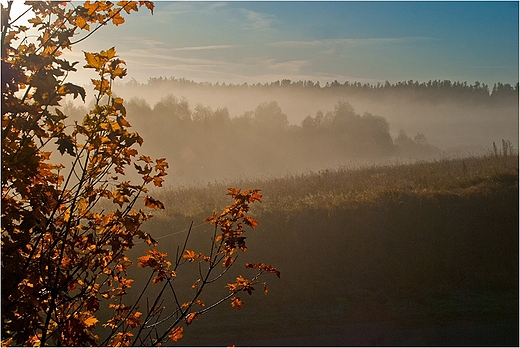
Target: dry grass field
x=398 y=249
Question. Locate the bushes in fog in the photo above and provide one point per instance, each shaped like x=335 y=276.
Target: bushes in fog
x=349 y=133
x=203 y=141
x=416 y=147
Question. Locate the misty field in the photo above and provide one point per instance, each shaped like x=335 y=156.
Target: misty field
x=404 y=254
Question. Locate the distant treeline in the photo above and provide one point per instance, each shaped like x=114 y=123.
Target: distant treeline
x=433 y=91
x=203 y=142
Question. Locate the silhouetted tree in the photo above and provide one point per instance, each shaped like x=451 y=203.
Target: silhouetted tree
x=269 y=116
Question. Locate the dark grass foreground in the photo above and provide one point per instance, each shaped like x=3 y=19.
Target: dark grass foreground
x=421 y=254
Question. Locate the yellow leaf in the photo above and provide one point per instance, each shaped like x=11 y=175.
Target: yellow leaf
x=118 y=72
x=82 y=23
x=111 y=53
x=93 y=61
x=91 y=321
x=115 y=126
x=149 y=4
x=117 y=19
x=133 y=6
x=118 y=103
x=66 y=216
x=90 y=7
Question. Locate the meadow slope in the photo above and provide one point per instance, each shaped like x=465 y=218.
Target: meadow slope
x=409 y=246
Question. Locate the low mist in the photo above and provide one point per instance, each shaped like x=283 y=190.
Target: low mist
x=211 y=132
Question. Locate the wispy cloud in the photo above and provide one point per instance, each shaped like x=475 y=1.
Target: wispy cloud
x=289 y=67
x=257 y=20
x=152 y=44
x=358 y=41
x=144 y=41
x=147 y=56
x=169 y=8
x=217 y=14
x=207 y=47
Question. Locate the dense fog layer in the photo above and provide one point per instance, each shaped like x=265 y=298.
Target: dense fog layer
x=212 y=132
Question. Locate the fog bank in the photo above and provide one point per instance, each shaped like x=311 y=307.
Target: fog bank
x=212 y=132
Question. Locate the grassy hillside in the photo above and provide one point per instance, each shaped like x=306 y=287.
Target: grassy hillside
x=430 y=243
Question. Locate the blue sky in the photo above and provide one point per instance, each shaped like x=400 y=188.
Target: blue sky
x=320 y=41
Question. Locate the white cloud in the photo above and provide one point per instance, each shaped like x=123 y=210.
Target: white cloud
x=298 y=43
x=137 y=53
x=207 y=47
x=257 y=20
x=289 y=67
x=356 y=41
x=144 y=41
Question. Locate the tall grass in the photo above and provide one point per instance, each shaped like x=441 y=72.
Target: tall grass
x=408 y=242
x=331 y=188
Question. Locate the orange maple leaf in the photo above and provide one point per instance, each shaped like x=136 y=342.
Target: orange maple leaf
x=149 y=5
x=250 y=222
x=190 y=255
x=147 y=261
x=153 y=203
x=161 y=164
x=191 y=317
x=128 y=6
x=176 y=333
x=82 y=23
x=157 y=181
x=256 y=197
x=146 y=159
x=90 y=321
x=235 y=302
x=117 y=19
x=133 y=320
